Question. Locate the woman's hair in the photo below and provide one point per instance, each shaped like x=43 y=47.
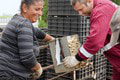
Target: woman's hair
x=73 y=2
x=28 y=3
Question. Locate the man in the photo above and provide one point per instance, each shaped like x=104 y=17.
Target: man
x=100 y=12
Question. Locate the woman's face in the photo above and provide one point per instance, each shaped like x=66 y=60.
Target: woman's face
x=33 y=11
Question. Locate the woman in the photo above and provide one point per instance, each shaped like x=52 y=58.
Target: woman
x=19 y=46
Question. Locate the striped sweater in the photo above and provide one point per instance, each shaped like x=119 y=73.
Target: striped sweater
x=18 y=46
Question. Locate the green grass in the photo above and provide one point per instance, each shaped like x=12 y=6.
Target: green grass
x=42 y=24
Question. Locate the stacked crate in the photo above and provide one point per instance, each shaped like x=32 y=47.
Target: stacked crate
x=68 y=25
x=85 y=73
x=60 y=7
x=109 y=71
x=100 y=65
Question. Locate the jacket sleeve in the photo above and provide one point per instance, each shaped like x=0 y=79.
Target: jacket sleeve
x=99 y=27
x=25 y=45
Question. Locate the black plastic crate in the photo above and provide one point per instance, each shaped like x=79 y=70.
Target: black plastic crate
x=60 y=7
x=50 y=74
x=100 y=63
x=84 y=73
x=68 y=25
x=109 y=71
x=101 y=76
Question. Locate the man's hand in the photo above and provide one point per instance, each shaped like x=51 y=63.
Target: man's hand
x=70 y=62
x=37 y=73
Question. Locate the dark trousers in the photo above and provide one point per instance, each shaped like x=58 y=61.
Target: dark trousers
x=113 y=55
x=116 y=74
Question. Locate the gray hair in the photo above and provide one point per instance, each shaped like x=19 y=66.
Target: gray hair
x=28 y=3
x=73 y=2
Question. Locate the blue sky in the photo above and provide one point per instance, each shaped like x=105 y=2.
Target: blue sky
x=9 y=6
